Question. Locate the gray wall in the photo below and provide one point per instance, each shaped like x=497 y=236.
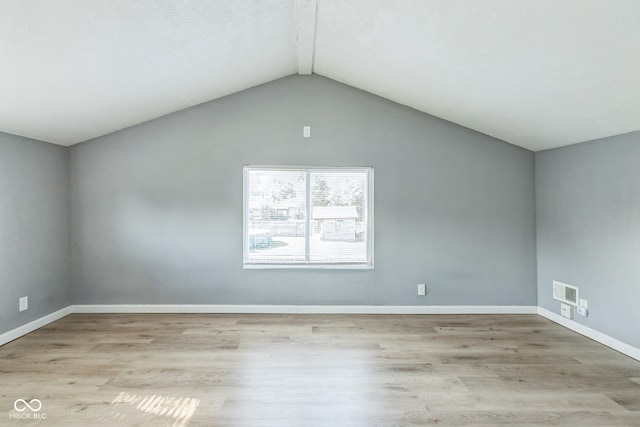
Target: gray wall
x=34 y=229
x=588 y=230
x=157 y=208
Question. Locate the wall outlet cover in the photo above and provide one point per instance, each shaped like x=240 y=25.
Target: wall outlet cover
x=23 y=303
x=566 y=310
x=422 y=289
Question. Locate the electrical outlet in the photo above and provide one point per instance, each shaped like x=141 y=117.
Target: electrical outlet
x=23 y=303
x=566 y=310
x=422 y=289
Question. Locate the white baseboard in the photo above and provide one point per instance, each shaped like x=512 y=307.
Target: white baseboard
x=32 y=326
x=304 y=309
x=613 y=343
x=322 y=309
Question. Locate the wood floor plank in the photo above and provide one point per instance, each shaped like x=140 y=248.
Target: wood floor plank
x=509 y=418
x=317 y=370
x=547 y=384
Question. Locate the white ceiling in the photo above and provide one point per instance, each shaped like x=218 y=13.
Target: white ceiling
x=535 y=73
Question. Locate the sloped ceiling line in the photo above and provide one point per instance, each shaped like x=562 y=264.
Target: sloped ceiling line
x=306 y=13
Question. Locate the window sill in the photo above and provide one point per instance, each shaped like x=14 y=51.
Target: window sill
x=276 y=266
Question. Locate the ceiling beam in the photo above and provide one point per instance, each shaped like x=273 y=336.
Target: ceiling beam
x=306 y=13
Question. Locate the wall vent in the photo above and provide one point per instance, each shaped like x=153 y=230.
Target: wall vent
x=565 y=293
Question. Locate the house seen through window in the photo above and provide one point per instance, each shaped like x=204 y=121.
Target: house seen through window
x=308 y=217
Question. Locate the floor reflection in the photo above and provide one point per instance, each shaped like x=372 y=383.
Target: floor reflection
x=180 y=409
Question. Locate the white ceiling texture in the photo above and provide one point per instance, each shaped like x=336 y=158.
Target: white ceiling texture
x=535 y=73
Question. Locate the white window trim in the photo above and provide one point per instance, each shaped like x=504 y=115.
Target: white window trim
x=252 y=265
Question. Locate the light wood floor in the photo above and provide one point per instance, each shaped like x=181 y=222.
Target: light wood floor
x=316 y=370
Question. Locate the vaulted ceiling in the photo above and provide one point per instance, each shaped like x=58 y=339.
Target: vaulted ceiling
x=535 y=73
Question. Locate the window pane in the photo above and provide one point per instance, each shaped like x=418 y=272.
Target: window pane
x=339 y=214
x=276 y=215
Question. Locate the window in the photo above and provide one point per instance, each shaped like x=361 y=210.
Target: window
x=308 y=217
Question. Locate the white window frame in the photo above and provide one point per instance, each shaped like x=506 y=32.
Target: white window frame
x=307 y=264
